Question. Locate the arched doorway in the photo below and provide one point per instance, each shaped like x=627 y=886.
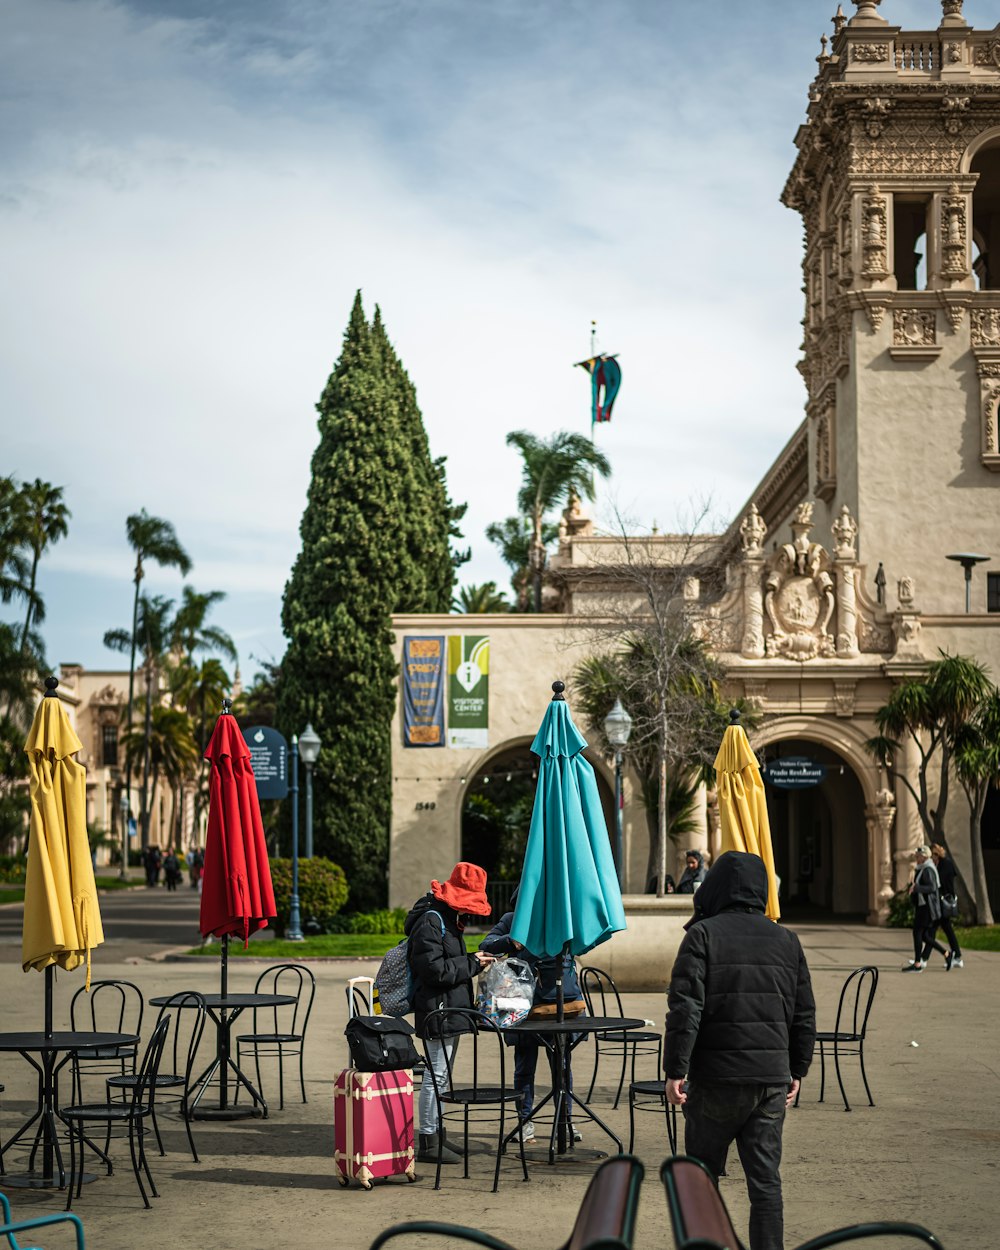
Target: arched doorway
x=496 y=814
x=820 y=837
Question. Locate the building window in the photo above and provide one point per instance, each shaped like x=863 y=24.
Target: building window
x=993 y=592
x=109 y=746
x=909 y=235
x=986 y=216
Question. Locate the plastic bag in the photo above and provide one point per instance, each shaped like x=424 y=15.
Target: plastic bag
x=506 y=991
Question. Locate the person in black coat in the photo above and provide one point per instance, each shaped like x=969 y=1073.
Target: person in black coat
x=443 y=973
x=947 y=873
x=694 y=873
x=741 y=1027
x=925 y=890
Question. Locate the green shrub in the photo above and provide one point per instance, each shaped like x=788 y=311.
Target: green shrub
x=900 y=910
x=322 y=891
x=385 y=920
x=13 y=869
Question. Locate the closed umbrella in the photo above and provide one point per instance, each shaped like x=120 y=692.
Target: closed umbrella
x=743 y=806
x=62 y=920
x=569 y=899
x=236 y=894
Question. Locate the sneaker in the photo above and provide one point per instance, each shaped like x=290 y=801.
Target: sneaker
x=958 y=962
x=577 y=1135
x=913 y=966
x=528 y=1131
x=949 y=959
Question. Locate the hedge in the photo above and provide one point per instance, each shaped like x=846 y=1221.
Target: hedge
x=322 y=892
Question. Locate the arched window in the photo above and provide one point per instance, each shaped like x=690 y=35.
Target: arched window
x=986 y=215
x=909 y=248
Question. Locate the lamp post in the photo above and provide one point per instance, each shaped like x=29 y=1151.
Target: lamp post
x=968 y=560
x=123 y=806
x=293 y=933
x=617 y=730
x=309 y=748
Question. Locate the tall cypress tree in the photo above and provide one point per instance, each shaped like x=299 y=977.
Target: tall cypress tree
x=375 y=537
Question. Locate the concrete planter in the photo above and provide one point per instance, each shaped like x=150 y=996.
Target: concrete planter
x=642 y=956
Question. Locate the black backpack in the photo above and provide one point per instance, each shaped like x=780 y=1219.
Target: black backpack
x=381 y=1043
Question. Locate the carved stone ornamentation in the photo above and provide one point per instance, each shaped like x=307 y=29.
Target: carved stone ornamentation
x=985 y=327
x=989 y=403
x=873 y=234
x=875 y=312
x=876 y=110
x=869 y=53
x=954 y=234
x=691 y=589
x=753 y=530
x=826 y=478
x=844 y=693
x=845 y=533
x=912 y=327
x=954 y=111
x=755 y=689
x=989 y=54
x=879 y=819
x=906 y=627
x=800 y=595
x=906 y=590
x=952 y=8
x=955 y=311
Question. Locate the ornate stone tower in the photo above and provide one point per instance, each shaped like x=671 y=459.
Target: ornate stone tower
x=898 y=183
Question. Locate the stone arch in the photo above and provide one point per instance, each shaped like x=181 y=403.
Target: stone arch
x=984 y=139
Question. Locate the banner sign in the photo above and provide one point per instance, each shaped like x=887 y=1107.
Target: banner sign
x=269 y=761
x=796 y=772
x=468 y=691
x=423 y=691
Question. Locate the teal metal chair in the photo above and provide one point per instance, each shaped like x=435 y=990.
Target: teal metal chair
x=9 y=1227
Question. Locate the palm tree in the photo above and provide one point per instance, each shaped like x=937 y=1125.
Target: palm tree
x=553 y=470
x=257 y=705
x=977 y=766
x=190 y=632
x=46 y=519
x=482 y=598
x=513 y=538
x=168 y=747
x=197 y=687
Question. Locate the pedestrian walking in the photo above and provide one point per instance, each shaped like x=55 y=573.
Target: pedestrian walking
x=925 y=890
x=171 y=869
x=499 y=942
x=151 y=861
x=443 y=973
x=741 y=1027
x=947 y=873
x=694 y=873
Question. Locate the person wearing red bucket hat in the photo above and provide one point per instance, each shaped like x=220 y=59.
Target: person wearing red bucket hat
x=443 y=973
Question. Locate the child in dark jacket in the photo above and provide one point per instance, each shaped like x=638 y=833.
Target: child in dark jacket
x=499 y=942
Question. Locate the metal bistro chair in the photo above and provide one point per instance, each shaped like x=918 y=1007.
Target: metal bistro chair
x=653 y=1098
x=470 y=1026
x=9 y=1226
x=602 y=998
x=111 y=1007
x=189 y=1025
x=854 y=1008
x=1 y=1149
x=132 y=1112
x=287 y=1036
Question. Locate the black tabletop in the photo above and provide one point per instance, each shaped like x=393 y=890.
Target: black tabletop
x=229 y=1001
x=64 y=1041
x=576 y=1024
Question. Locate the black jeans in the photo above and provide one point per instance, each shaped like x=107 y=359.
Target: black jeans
x=924 y=929
x=753 y=1116
x=949 y=932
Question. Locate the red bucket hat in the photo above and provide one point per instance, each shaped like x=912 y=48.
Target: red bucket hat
x=465 y=890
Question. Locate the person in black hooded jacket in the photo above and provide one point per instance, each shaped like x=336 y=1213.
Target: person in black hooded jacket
x=443 y=973
x=741 y=1027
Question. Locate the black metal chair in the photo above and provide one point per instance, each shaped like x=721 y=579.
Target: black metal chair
x=189 y=1025
x=110 y=1007
x=2 y=1172
x=700 y=1221
x=854 y=1008
x=602 y=998
x=287 y=1034
x=132 y=1112
x=651 y=1096
x=484 y=1092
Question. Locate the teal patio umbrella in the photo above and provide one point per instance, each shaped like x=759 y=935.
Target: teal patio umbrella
x=569 y=899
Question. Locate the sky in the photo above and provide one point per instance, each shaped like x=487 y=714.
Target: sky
x=192 y=192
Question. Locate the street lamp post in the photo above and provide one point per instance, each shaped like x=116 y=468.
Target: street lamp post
x=309 y=748
x=617 y=730
x=968 y=560
x=293 y=933
x=123 y=806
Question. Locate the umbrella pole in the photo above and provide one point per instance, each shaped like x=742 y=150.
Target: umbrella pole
x=50 y=974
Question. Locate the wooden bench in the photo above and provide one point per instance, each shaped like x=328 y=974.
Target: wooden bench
x=700 y=1220
x=605 y=1221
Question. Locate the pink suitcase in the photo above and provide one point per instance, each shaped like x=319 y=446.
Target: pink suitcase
x=373 y=1125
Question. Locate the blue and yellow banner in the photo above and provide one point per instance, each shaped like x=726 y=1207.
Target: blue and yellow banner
x=423 y=691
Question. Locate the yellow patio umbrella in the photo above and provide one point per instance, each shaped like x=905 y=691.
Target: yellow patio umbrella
x=742 y=805
x=62 y=920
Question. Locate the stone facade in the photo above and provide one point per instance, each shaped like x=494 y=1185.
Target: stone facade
x=896 y=466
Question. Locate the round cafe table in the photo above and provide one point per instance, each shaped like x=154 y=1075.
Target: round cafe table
x=560 y=1038
x=49 y=1047
x=225 y=1010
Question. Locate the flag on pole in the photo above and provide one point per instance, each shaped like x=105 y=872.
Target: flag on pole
x=605 y=381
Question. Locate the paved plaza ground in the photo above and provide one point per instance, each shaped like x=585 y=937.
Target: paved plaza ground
x=927 y=1151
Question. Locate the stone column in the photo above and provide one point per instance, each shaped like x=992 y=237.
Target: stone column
x=879 y=818
x=699 y=814
x=845 y=535
x=908 y=829
x=752 y=645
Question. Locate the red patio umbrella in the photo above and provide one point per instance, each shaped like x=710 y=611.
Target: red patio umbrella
x=236 y=893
